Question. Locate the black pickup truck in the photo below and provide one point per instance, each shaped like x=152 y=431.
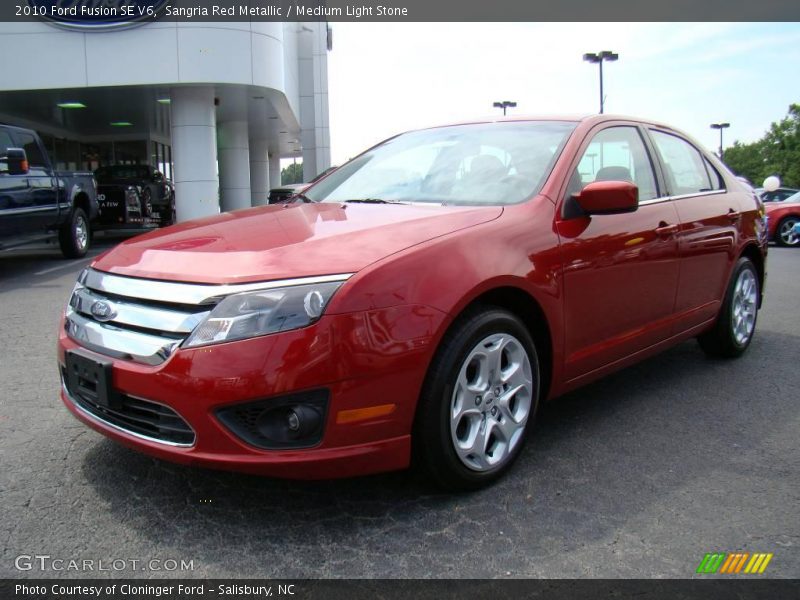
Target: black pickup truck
x=133 y=196
x=37 y=202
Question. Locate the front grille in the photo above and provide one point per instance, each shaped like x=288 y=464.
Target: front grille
x=146 y=320
x=140 y=417
x=120 y=317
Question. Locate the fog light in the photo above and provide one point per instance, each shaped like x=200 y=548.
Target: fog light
x=293 y=421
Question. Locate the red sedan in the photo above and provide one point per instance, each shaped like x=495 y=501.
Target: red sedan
x=418 y=304
x=783 y=216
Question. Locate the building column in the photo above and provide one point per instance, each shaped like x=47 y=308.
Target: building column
x=194 y=152
x=274 y=171
x=259 y=172
x=234 y=165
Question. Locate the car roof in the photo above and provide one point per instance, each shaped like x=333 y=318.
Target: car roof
x=590 y=119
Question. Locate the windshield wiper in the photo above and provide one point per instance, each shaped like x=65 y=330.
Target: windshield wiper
x=373 y=201
x=299 y=196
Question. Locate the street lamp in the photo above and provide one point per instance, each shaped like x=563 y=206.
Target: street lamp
x=504 y=105
x=605 y=55
x=720 y=126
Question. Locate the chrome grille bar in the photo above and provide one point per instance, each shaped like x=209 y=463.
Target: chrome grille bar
x=146 y=320
x=187 y=293
x=138 y=315
x=117 y=342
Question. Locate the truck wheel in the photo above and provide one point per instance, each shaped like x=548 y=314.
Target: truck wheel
x=147 y=203
x=75 y=234
x=478 y=401
x=736 y=323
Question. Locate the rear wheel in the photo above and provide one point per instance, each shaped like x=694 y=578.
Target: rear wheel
x=74 y=236
x=478 y=401
x=736 y=322
x=785 y=232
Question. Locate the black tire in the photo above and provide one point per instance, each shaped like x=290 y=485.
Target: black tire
x=434 y=450
x=783 y=235
x=75 y=235
x=721 y=340
x=147 y=203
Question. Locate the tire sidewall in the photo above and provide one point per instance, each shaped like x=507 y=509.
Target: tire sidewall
x=778 y=238
x=438 y=393
x=743 y=264
x=68 y=236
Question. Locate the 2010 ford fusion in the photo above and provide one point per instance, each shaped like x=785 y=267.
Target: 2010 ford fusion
x=418 y=304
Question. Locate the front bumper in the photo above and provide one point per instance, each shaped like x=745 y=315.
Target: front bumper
x=363 y=360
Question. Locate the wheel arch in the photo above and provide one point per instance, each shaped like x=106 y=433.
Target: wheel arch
x=529 y=310
x=81 y=200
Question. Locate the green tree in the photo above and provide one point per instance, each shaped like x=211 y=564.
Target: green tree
x=748 y=161
x=782 y=148
x=777 y=153
x=292 y=174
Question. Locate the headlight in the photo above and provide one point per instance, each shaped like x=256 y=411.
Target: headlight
x=267 y=311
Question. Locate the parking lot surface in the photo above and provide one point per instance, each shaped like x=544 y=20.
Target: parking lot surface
x=638 y=475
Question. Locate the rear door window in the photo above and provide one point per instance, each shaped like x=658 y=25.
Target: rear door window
x=684 y=166
x=28 y=143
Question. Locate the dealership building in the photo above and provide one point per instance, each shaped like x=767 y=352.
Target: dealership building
x=213 y=105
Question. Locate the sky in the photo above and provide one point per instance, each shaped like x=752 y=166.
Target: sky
x=386 y=78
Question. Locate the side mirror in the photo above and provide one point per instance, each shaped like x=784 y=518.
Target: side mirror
x=17 y=161
x=608 y=198
x=157 y=177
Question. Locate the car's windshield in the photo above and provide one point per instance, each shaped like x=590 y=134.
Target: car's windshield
x=482 y=164
x=793 y=198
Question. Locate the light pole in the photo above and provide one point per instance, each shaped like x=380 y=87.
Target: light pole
x=599 y=57
x=504 y=105
x=720 y=126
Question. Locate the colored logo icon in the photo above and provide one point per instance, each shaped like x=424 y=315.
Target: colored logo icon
x=734 y=563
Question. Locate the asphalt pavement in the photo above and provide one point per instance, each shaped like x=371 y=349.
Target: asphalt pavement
x=638 y=475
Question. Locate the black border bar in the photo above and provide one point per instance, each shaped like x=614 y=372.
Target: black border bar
x=143 y=11
x=404 y=589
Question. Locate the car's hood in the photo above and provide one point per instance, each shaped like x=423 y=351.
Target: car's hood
x=771 y=206
x=281 y=242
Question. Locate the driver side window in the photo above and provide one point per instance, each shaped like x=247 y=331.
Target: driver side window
x=616 y=154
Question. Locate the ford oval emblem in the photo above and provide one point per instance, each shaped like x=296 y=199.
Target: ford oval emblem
x=97 y=15
x=103 y=311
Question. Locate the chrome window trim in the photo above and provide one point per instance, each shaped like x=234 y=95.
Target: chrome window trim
x=140 y=436
x=27 y=209
x=681 y=196
x=188 y=293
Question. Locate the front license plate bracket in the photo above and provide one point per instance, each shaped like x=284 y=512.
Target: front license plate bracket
x=90 y=378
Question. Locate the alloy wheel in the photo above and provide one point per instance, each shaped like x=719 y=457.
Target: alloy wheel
x=743 y=313
x=788 y=236
x=491 y=402
x=81 y=232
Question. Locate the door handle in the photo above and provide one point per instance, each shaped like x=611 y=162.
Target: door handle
x=664 y=229
x=733 y=215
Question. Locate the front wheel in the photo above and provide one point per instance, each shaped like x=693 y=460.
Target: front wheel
x=786 y=235
x=74 y=236
x=478 y=401
x=736 y=322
